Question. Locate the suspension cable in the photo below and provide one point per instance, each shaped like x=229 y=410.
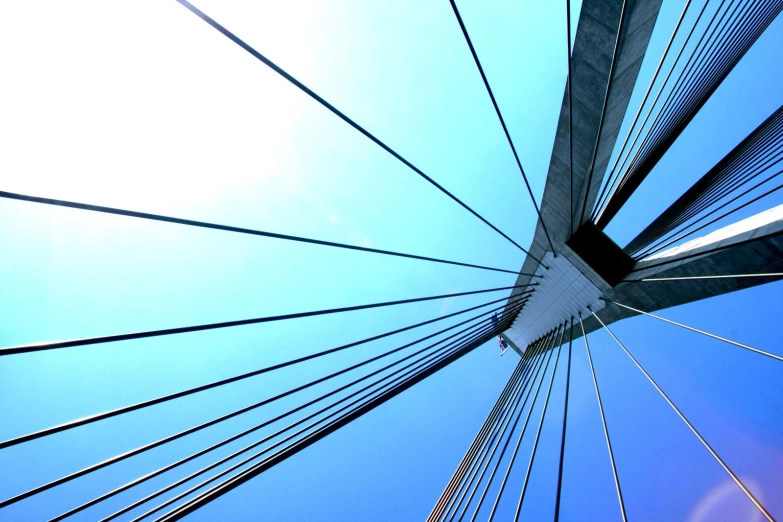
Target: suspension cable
x=755 y=154
x=470 y=473
x=220 y=419
x=538 y=437
x=239 y=230
x=222 y=382
x=245 y=461
x=508 y=438
x=217 y=420
x=448 y=491
x=603 y=422
x=563 y=434
x=718 y=337
x=502 y=121
x=717 y=248
x=672 y=93
x=641 y=105
x=269 y=63
x=484 y=454
x=748 y=164
x=740 y=38
x=497 y=442
x=603 y=110
x=677 y=111
x=522 y=434
x=709 y=448
x=748 y=160
x=285 y=453
x=684 y=234
x=249 y=430
x=404 y=371
x=228 y=324
x=611 y=188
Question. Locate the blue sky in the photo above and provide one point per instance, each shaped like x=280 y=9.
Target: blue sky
x=146 y=107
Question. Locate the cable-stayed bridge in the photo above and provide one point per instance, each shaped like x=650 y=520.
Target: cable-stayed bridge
x=574 y=280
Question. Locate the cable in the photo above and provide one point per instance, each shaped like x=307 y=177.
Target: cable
x=603 y=111
x=739 y=43
x=707 y=252
x=151 y=402
x=266 y=61
x=536 y=348
x=684 y=75
x=682 y=236
x=508 y=438
x=217 y=420
x=563 y=435
x=483 y=456
x=228 y=324
x=732 y=181
x=718 y=337
x=652 y=106
x=448 y=491
x=733 y=168
x=540 y=349
x=641 y=105
x=739 y=171
x=240 y=435
x=282 y=455
x=538 y=434
x=294 y=361
x=405 y=371
x=240 y=230
x=522 y=434
x=672 y=106
x=733 y=171
x=243 y=462
x=715 y=73
x=692 y=428
x=603 y=422
x=502 y=122
x=719 y=63
x=497 y=442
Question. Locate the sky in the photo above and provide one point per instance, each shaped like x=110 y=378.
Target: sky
x=146 y=107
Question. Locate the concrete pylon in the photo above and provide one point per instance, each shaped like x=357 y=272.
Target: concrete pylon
x=589 y=266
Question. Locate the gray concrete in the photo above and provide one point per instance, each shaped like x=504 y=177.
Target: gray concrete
x=591 y=60
x=759 y=250
x=752 y=246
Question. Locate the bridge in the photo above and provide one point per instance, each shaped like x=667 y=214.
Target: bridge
x=574 y=280
x=583 y=280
